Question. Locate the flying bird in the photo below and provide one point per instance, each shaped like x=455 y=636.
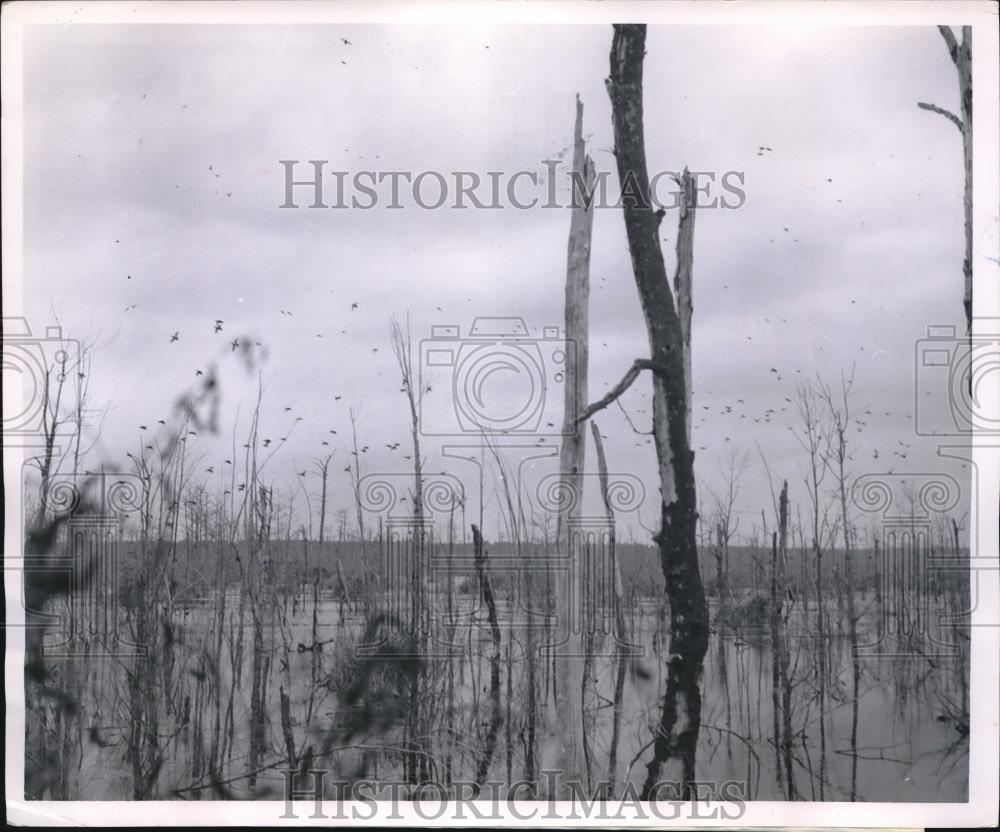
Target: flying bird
x=175 y=337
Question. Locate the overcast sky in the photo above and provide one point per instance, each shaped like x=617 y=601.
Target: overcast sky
x=152 y=178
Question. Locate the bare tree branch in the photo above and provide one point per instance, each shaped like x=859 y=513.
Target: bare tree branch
x=619 y=389
x=682 y=279
x=961 y=56
x=949 y=39
x=942 y=111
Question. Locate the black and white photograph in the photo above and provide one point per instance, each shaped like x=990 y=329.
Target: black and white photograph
x=501 y=414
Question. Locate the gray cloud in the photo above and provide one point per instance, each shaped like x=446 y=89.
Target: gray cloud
x=152 y=177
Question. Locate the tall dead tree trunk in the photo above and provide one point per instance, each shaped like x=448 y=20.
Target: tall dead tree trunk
x=814 y=439
x=569 y=593
x=322 y=467
x=961 y=56
x=417 y=718
x=775 y=615
x=682 y=295
x=784 y=658
x=354 y=472
x=496 y=716
x=668 y=328
x=838 y=457
x=782 y=693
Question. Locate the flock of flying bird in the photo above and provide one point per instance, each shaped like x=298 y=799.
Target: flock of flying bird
x=235 y=343
x=737 y=410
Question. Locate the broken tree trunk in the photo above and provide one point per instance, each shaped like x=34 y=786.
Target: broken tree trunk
x=775 y=615
x=496 y=717
x=621 y=633
x=668 y=328
x=402 y=347
x=572 y=452
x=682 y=284
x=781 y=655
x=961 y=56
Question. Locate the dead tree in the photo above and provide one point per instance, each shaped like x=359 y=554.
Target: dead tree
x=354 y=472
x=322 y=467
x=837 y=458
x=781 y=687
x=402 y=348
x=569 y=706
x=55 y=417
x=814 y=438
x=961 y=56
x=621 y=633
x=668 y=327
x=728 y=518
x=496 y=716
